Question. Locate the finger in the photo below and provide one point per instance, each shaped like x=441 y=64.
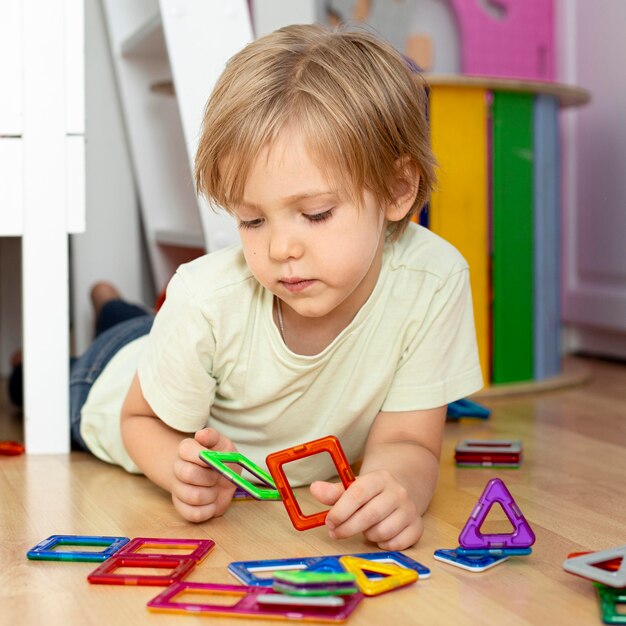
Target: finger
x=370 y=515
x=326 y=493
x=220 y=495
x=388 y=527
x=193 y=513
x=213 y=440
x=226 y=487
x=189 y=450
x=191 y=469
x=192 y=474
x=207 y=437
x=361 y=491
x=201 y=513
x=203 y=476
x=406 y=538
x=224 y=498
x=195 y=495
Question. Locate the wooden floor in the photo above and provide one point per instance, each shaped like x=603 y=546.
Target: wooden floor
x=571 y=488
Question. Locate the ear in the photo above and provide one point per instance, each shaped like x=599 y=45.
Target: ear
x=406 y=187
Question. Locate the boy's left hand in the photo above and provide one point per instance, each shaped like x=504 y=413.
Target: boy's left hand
x=375 y=504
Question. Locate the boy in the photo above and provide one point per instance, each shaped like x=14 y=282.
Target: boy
x=335 y=316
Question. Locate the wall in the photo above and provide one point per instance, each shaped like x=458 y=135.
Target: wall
x=592 y=51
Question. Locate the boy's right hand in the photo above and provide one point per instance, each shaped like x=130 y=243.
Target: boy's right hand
x=198 y=491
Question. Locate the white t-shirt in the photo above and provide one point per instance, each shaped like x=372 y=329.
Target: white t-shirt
x=100 y=415
x=215 y=357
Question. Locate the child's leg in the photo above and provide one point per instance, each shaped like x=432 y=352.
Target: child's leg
x=116 y=312
x=85 y=370
x=110 y=308
x=16 y=391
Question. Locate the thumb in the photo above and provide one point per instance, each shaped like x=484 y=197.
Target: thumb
x=213 y=440
x=326 y=493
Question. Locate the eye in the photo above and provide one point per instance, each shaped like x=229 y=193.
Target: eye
x=251 y=223
x=319 y=217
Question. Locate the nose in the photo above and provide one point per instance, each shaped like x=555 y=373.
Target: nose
x=285 y=244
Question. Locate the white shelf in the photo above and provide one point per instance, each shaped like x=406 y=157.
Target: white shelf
x=147 y=40
x=168 y=55
x=163 y=87
x=179 y=238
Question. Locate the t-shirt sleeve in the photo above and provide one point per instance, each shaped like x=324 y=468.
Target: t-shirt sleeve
x=175 y=366
x=440 y=361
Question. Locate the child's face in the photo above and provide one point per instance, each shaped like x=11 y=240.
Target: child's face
x=319 y=253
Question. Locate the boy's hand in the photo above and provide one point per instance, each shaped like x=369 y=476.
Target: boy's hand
x=198 y=491
x=375 y=504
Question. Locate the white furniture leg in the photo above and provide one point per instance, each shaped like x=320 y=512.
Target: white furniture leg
x=44 y=237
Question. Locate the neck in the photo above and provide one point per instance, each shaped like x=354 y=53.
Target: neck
x=305 y=336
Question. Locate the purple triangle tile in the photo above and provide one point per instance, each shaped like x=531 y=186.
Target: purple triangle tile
x=496 y=492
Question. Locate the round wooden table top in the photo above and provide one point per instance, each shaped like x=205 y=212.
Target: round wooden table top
x=567 y=95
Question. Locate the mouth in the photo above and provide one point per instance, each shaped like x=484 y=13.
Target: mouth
x=295 y=285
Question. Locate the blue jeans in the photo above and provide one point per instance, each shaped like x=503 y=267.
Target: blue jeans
x=118 y=324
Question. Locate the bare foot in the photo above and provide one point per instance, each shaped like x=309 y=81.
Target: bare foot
x=101 y=293
x=16 y=358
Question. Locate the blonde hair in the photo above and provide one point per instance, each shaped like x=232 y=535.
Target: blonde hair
x=360 y=109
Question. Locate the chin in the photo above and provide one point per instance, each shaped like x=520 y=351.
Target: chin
x=312 y=312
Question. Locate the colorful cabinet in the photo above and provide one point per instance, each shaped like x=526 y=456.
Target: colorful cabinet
x=497 y=200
